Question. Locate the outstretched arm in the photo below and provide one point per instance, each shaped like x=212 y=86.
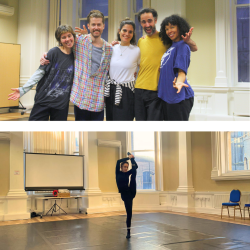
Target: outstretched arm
x=187 y=39
x=179 y=83
x=117 y=168
x=82 y=31
x=19 y=92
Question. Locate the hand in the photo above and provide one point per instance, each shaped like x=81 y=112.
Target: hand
x=15 y=95
x=143 y=37
x=186 y=38
x=114 y=43
x=82 y=31
x=135 y=74
x=179 y=85
x=131 y=156
x=43 y=60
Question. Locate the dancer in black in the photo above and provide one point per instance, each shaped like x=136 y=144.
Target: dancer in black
x=127 y=188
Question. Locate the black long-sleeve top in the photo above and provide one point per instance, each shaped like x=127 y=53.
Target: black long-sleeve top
x=122 y=178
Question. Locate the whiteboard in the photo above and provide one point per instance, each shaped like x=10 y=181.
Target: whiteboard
x=48 y=172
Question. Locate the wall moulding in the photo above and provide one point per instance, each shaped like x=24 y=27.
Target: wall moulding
x=4 y=136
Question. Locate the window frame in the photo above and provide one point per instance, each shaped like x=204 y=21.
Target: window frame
x=234 y=31
x=226 y=47
x=158 y=160
x=85 y=18
x=221 y=159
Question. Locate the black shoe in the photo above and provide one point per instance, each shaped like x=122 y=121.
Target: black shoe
x=128 y=235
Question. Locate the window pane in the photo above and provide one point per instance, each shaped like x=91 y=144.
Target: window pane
x=240 y=150
x=243 y=1
x=138 y=29
x=76 y=143
x=101 y=5
x=243 y=44
x=142 y=140
x=145 y=178
x=105 y=31
x=139 y=5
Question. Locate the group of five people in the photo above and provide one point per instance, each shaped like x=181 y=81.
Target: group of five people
x=90 y=72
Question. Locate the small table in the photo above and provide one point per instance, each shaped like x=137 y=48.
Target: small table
x=53 y=208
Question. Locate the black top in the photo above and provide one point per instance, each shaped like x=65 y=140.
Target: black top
x=53 y=90
x=122 y=178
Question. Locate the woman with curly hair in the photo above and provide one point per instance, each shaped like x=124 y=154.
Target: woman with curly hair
x=177 y=105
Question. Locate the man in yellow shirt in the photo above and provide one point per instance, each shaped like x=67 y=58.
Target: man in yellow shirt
x=148 y=107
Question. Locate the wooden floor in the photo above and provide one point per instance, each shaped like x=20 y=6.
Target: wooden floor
x=86 y=216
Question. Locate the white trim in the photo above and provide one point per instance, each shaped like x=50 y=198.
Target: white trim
x=159 y=182
x=6 y=10
x=220 y=159
x=111 y=144
x=221 y=23
x=4 y=136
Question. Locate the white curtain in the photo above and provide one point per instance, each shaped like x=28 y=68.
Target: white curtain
x=53 y=22
x=51 y=142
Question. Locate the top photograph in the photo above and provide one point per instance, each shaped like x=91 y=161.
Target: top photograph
x=124 y=60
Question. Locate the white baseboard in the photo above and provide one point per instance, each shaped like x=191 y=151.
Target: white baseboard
x=7 y=217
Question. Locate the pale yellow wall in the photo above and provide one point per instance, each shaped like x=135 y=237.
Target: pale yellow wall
x=201 y=15
x=170 y=159
x=107 y=158
x=202 y=166
x=9 y=24
x=4 y=167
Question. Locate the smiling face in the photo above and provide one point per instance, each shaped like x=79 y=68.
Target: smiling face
x=125 y=167
x=96 y=27
x=67 y=40
x=172 y=31
x=126 y=34
x=148 y=23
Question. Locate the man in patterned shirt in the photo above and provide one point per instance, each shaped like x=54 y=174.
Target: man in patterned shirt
x=92 y=60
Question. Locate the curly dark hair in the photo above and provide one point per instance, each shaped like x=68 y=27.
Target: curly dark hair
x=147 y=10
x=181 y=23
x=129 y=22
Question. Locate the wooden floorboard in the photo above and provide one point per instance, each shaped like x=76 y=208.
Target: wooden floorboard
x=87 y=216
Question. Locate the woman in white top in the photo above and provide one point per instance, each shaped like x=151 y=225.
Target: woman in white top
x=119 y=90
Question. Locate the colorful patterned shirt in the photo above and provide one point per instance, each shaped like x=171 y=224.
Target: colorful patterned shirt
x=88 y=90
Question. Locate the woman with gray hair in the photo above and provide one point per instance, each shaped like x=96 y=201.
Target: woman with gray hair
x=54 y=81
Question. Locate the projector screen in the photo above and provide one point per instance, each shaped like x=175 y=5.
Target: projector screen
x=45 y=172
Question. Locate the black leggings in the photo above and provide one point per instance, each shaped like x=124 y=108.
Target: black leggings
x=127 y=197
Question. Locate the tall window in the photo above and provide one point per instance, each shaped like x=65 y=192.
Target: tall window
x=242 y=8
x=76 y=149
x=240 y=150
x=137 y=5
x=142 y=146
x=87 y=6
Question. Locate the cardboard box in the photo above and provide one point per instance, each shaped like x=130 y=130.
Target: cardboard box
x=63 y=195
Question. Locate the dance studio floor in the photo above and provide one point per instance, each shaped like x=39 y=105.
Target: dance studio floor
x=150 y=231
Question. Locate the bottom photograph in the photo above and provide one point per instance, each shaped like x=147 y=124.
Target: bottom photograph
x=124 y=190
